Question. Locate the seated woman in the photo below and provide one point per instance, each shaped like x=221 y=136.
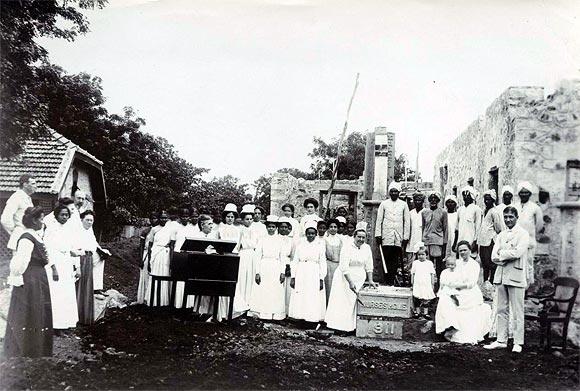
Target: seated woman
x=29 y=326
x=473 y=319
x=204 y=304
x=268 y=299
x=308 y=269
x=355 y=267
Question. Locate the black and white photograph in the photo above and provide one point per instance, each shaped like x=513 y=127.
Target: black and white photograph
x=289 y=195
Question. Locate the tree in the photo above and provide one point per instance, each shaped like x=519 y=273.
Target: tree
x=400 y=163
x=352 y=159
x=22 y=114
x=296 y=173
x=263 y=191
x=211 y=197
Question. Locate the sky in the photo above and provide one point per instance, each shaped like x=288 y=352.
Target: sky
x=242 y=87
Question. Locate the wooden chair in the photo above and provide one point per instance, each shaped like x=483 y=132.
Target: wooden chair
x=555 y=308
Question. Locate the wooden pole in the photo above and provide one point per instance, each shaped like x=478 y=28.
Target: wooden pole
x=339 y=151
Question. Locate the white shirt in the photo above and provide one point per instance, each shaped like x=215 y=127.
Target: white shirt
x=189 y=231
x=490 y=227
x=353 y=256
x=258 y=229
x=229 y=232
x=304 y=219
x=530 y=218
x=416 y=219
x=21 y=259
x=270 y=247
x=468 y=222
x=310 y=252
x=11 y=218
x=393 y=222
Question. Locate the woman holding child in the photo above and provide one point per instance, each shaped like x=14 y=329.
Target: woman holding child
x=461 y=313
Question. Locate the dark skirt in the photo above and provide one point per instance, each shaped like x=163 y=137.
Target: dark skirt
x=85 y=297
x=29 y=326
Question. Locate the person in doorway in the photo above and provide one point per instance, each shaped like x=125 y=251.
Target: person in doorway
x=435 y=232
x=531 y=218
x=509 y=253
x=469 y=218
x=308 y=268
x=490 y=227
x=29 y=331
x=355 y=268
x=451 y=206
x=17 y=203
x=392 y=232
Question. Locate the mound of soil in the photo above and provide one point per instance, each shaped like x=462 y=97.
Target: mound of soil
x=144 y=348
x=122 y=268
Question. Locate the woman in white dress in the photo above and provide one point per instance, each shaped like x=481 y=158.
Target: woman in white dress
x=143 y=286
x=268 y=296
x=246 y=247
x=473 y=315
x=57 y=239
x=288 y=210
x=311 y=206
x=288 y=246
x=308 y=269
x=160 y=258
x=355 y=267
x=333 y=244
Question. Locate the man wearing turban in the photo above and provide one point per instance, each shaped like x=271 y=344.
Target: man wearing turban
x=392 y=232
x=468 y=218
x=531 y=218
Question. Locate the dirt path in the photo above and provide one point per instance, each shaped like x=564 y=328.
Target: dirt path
x=141 y=348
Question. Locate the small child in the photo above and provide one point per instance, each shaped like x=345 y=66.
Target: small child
x=446 y=314
x=423 y=281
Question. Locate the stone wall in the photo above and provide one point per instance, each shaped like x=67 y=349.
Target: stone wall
x=288 y=189
x=527 y=137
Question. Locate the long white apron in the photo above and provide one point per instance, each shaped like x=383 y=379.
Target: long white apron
x=159 y=267
x=307 y=301
x=341 y=311
x=63 y=295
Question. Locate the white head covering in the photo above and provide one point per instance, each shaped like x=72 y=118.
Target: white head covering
x=231 y=208
x=395 y=185
x=451 y=197
x=248 y=208
x=286 y=220
x=361 y=226
x=436 y=193
x=272 y=219
x=310 y=224
x=491 y=192
x=341 y=219
x=470 y=190
x=525 y=185
x=507 y=188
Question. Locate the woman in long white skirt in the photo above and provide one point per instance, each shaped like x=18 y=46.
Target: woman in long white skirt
x=288 y=247
x=59 y=246
x=143 y=286
x=159 y=261
x=308 y=269
x=268 y=295
x=355 y=267
x=248 y=241
x=333 y=246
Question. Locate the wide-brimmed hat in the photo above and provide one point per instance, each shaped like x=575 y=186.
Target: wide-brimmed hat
x=311 y=201
x=248 y=209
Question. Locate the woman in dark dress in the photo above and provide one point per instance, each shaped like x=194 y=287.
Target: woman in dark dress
x=29 y=326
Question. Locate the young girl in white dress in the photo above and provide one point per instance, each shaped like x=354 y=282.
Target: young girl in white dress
x=423 y=281
x=268 y=295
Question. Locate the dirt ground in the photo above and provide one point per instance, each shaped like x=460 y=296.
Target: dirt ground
x=142 y=348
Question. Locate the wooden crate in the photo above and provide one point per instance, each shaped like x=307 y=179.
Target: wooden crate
x=385 y=302
x=370 y=327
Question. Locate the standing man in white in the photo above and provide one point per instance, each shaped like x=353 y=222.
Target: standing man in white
x=11 y=218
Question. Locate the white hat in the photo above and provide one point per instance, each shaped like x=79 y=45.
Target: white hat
x=341 y=219
x=272 y=219
x=248 y=208
x=231 y=208
x=525 y=185
x=471 y=190
x=310 y=224
x=286 y=220
x=451 y=197
x=507 y=188
x=361 y=226
x=418 y=245
x=435 y=193
x=395 y=185
x=491 y=193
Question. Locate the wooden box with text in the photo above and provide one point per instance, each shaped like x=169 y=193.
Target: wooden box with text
x=385 y=302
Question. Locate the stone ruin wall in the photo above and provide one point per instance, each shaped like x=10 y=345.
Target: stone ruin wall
x=288 y=189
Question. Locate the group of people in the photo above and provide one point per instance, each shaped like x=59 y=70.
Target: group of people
x=309 y=270
x=447 y=249
x=56 y=267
